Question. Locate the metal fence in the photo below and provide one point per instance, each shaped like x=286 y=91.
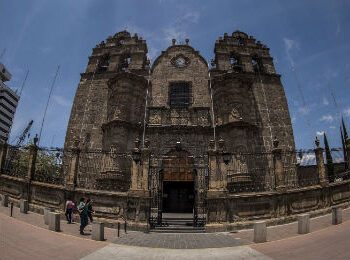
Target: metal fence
x=103 y=170
x=48 y=166
x=110 y=170
x=250 y=172
x=16 y=162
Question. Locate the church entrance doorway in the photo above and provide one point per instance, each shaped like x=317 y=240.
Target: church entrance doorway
x=178 y=197
x=178 y=182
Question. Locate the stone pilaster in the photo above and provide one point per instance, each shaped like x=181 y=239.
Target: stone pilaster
x=321 y=169
x=3 y=152
x=139 y=170
x=278 y=166
x=217 y=173
x=145 y=158
x=73 y=169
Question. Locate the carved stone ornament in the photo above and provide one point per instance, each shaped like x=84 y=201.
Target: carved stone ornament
x=180 y=61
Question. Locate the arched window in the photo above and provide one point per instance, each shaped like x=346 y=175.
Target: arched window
x=256 y=65
x=235 y=64
x=103 y=64
x=124 y=62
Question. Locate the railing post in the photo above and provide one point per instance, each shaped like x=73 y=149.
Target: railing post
x=3 y=152
x=278 y=166
x=73 y=169
x=33 y=151
x=321 y=169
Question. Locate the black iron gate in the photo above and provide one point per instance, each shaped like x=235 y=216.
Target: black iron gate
x=156 y=175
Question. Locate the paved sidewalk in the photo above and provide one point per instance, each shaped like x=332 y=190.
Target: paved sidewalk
x=222 y=239
x=71 y=229
x=181 y=241
x=25 y=240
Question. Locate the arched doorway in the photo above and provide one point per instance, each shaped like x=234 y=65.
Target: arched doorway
x=178 y=182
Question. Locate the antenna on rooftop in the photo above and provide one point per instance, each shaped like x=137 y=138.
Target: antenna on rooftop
x=24 y=81
x=47 y=103
x=2 y=54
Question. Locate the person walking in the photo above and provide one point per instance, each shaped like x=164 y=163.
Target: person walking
x=90 y=210
x=83 y=209
x=69 y=210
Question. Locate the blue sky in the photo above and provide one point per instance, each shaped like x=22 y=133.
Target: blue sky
x=312 y=36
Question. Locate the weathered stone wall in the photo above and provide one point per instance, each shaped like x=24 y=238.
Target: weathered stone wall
x=223 y=213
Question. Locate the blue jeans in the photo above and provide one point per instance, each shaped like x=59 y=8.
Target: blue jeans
x=83 y=222
x=69 y=215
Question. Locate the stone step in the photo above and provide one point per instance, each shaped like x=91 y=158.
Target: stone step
x=178 y=229
x=184 y=222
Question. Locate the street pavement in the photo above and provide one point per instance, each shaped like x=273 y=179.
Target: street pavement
x=25 y=236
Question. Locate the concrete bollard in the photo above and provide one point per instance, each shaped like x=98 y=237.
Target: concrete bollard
x=23 y=206
x=5 y=200
x=54 y=221
x=304 y=224
x=46 y=214
x=98 y=231
x=260 y=232
x=337 y=215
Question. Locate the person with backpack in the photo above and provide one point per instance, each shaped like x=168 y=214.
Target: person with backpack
x=69 y=211
x=90 y=210
x=83 y=211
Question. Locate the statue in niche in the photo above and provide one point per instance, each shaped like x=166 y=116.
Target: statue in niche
x=235 y=113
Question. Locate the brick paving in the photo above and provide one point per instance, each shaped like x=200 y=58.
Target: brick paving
x=71 y=229
x=181 y=241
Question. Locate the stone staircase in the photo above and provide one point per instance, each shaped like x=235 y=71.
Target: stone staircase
x=177 y=223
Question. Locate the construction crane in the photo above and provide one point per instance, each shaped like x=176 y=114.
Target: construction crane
x=23 y=136
x=13 y=152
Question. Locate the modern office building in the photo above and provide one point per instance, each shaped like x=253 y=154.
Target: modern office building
x=8 y=103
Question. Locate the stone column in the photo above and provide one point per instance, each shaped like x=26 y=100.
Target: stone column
x=145 y=157
x=3 y=152
x=321 y=169
x=33 y=151
x=73 y=169
x=278 y=166
x=212 y=154
x=217 y=171
x=225 y=158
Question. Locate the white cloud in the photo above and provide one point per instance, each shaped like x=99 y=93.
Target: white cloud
x=332 y=127
x=192 y=17
x=338 y=160
x=290 y=46
x=294 y=119
x=320 y=133
x=303 y=110
x=347 y=111
x=325 y=101
x=62 y=101
x=327 y=118
x=308 y=159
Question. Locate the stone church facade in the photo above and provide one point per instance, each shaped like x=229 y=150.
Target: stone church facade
x=161 y=132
